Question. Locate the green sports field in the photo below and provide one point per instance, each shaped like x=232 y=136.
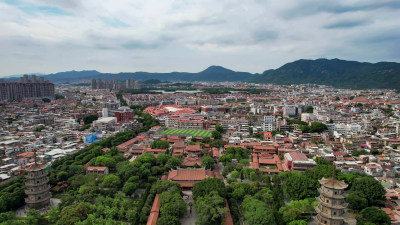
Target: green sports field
x=195 y=133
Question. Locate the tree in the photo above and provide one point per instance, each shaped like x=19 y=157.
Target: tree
x=174 y=163
x=305 y=128
x=216 y=135
x=47 y=100
x=373 y=215
x=318 y=127
x=265 y=195
x=207 y=185
x=74 y=213
x=235 y=174
x=210 y=208
x=172 y=203
x=111 y=181
x=267 y=180
x=168 y=220
x=309 y=109
x=62 y=176
x=244 y=162
x=257 y=212
x=359 y=152
x=375 y=152
x=290 y=213
x=208 y=162
x=219 y=128
x=54 y=215
x=225 y=159
x=356 y=202
x=322 y=161
x=105 y=161
x=33 y=217
x=89 y=119
x=369 y=189
x=147 y=158
x=162 y=159
x=129 y=188
x=298 y=186
x=6 y=217
x=157 y=144
x=59 y=96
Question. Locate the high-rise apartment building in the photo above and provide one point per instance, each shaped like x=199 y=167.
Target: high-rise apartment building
x=115 y=85
x=29 y=88
x=94 y=84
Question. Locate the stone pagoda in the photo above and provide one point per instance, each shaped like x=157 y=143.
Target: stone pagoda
x=331 y=207
x=37 y=187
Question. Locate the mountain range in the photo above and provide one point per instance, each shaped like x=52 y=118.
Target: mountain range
x=333 y=72
x=337 y=73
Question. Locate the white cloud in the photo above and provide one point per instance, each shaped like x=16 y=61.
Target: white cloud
x=113 y=36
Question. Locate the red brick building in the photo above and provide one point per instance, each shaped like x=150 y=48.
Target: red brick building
x=124 y=116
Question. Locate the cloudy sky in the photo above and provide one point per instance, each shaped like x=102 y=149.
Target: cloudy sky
x=179 y=35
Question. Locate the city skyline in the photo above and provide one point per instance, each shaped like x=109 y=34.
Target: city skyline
x=175 y=36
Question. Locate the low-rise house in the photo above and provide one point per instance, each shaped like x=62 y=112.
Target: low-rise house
x=373 y=169
x=103 y=170
x=298 y=161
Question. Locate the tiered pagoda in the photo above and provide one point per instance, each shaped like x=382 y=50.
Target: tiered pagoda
x=332 y=205
x=37 y=187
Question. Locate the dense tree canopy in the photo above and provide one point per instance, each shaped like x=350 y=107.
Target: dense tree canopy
x=257 y=212
x=372 y=215
x=157 y=144
x=369 y=189
x=216 y=135
x=207 y=185
x=219 y=128
x=210 y=208
x=298 y=186
x=208 y=162
x=89 y=119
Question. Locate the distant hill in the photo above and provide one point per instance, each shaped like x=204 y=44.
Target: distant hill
x=212 y=73
x=337 y=73
x=333 y=72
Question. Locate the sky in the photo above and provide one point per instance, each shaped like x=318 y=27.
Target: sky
x=48 y=36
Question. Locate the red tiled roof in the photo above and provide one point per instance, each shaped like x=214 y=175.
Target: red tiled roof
x=228 y=216
x=155 y=211
x=298 y=156
x=278 y=162
x=189 y=174
x=193 y=148
x=267 y=161
x=215 y=152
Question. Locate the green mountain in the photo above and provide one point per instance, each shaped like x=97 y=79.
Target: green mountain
x=335 y=72
x=212 y=73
